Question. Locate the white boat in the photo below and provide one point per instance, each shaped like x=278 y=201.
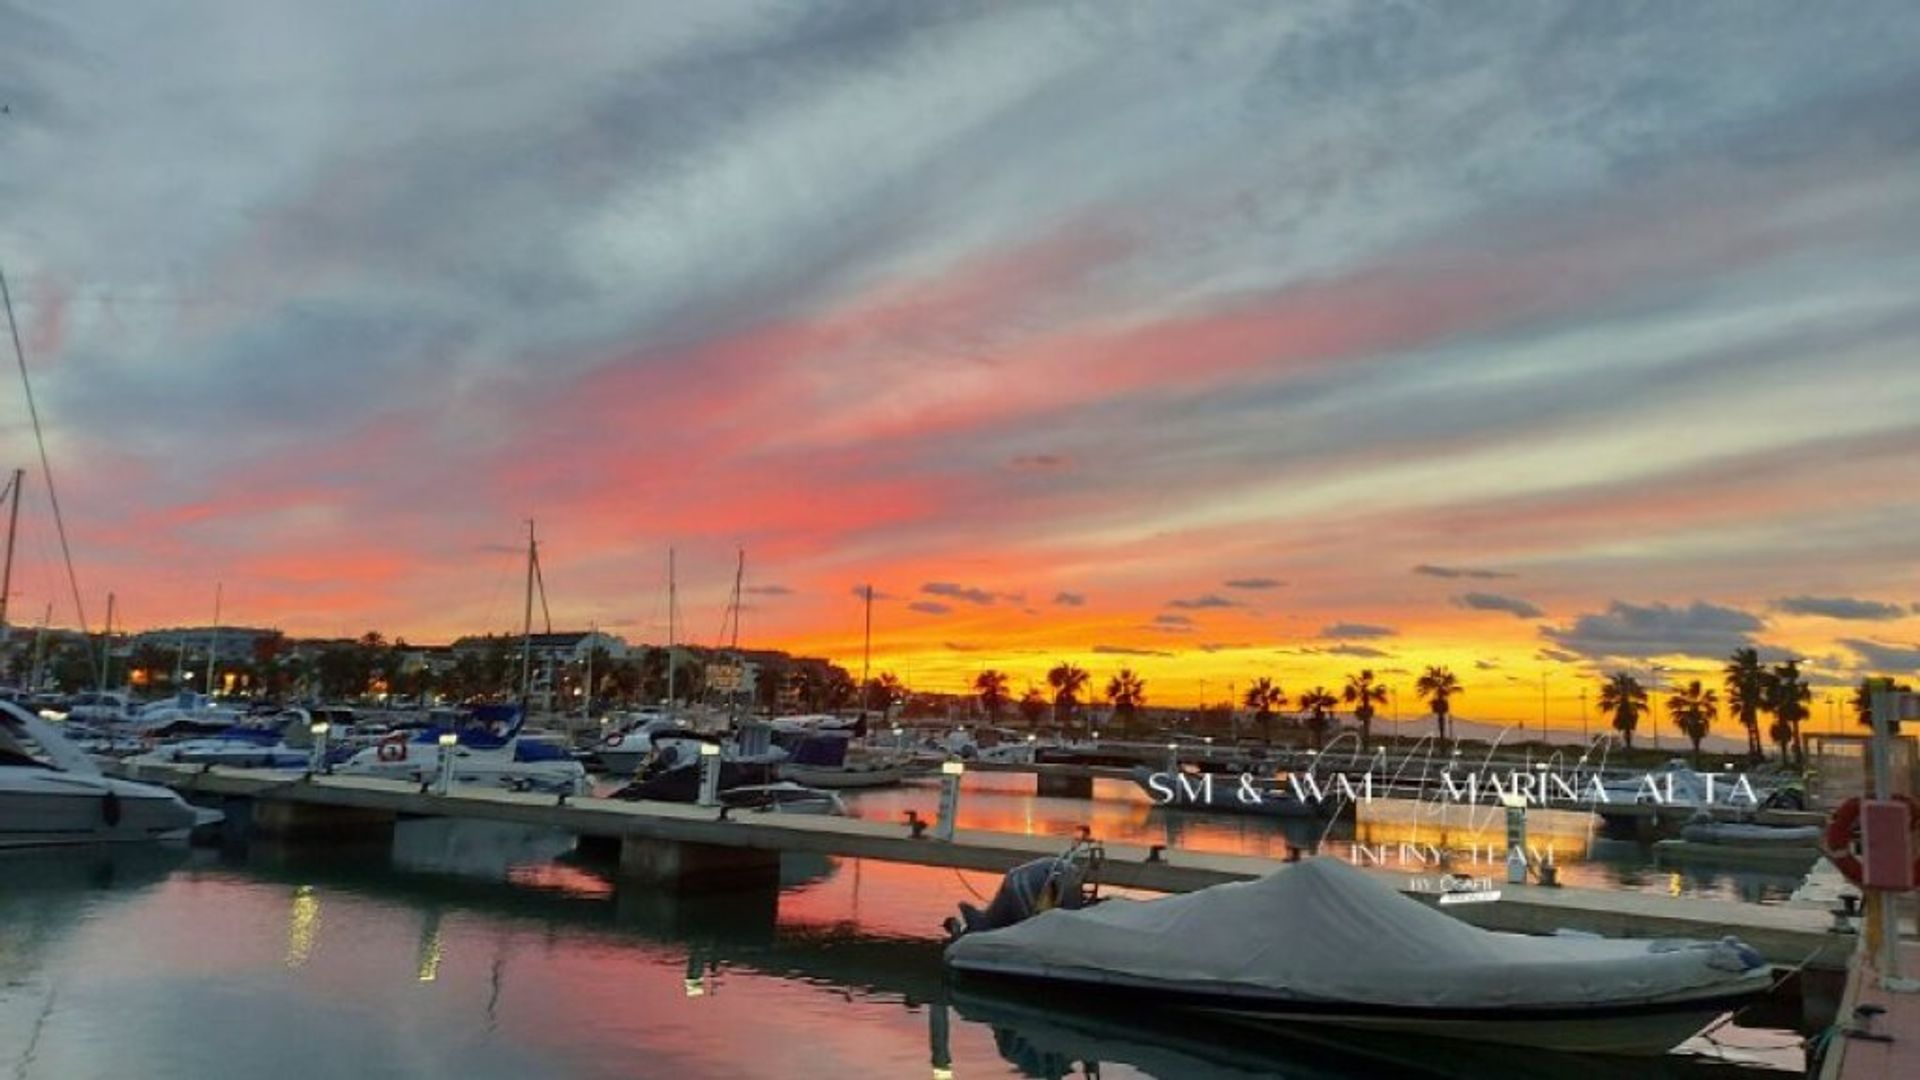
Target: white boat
x=1676 y=785
x=827 y=759
x=52 y=794
x=184 y=712
x=490 y=753
x=784 y=797
x=1703 y=830
x=623 y=751
x=100 y=709
x=283 y=741
x=1324 y=943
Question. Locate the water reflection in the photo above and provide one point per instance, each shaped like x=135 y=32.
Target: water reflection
x=497 y=951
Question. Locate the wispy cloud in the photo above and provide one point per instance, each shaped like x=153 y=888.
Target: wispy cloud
x=1884 y=657
x=1430 y=570
x=1839 y=607
x=1127 y=650
x=1643 y=631
x=930 y=607
x=1200 y=603
x=1069 y=599
x=1254 y=583
x=1353 y=630
x=1480 y=601
x=952 y=591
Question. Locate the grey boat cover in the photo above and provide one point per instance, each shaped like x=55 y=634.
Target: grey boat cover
x=1324 y=931
x=1740 y=834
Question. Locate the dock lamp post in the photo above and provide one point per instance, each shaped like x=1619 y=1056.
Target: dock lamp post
x=709 y=774
x=1516 y=838
x=950 y=774
x=317 y=750
x=448 y=743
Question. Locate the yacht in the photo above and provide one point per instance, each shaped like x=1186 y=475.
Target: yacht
x=51 y=793
x=281 y=741
x=490 y=752
x=1324 y=944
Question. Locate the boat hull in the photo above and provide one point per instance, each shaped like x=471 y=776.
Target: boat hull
x=1636 y=1029
x=843 y=779
x=57 y=810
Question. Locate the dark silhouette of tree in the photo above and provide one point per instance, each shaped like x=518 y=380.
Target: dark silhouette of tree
x=1067 y=681
x=1127 y=692
x=1364 y=694
x=1033 y=707
x=1439 y=687
x=1693 y=708
x=1318 y=703
x=1862 y=700
x=1263 y=697
x=1786 y=695
x=991 y=686
x=1623 y=698
x=1746 y=683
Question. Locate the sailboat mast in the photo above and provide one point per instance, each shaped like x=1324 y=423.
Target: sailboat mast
x=593 y=641
x=13 y=526
x=733 y=699
x=106 y=645
x=866 y=656
x=526 y=629
x=671 y=642
x=213 y=638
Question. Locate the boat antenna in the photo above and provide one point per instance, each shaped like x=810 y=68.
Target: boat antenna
x=733 y=697
x=46 y=468
x=213 y=637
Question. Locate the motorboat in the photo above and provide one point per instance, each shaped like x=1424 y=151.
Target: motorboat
x=100 y=708
x=185 y=713
x=1677 y=786
x=51 y=793
x=1323 y=943
x=1234 y=793
x=828 y=760
x=749 y=774
x=622 y=751
x=489 y=751
x=283 y=740
x=783 y=797
x=1704 y=830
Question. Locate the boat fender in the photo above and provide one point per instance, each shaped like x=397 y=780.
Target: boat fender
x=393 y=748
x=1843 y=832
x=110 y=808
x=616 y=738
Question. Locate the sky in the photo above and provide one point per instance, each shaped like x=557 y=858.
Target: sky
x=1219 y=341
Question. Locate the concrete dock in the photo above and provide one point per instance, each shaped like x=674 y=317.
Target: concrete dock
x=693 y=847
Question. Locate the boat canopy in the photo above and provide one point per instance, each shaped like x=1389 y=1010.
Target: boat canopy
x=1324 y=931
x=480 y=727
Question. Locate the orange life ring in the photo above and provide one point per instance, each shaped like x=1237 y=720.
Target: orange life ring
x=1842 y=833
x=393 y=747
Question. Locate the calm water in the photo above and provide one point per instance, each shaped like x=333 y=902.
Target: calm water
x=475 y=950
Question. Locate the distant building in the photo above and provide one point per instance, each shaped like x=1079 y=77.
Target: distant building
x=569 y=647
x=229 y=644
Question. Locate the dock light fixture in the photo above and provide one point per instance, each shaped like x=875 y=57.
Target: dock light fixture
x=1516 y=837
x=950 y=774
x=709 y=774
x=448 y=740
x=317 y=750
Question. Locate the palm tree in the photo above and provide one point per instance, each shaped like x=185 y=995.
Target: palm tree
x=1033 y=707
x=1746 y=694
x=1693 y=710
x=1318 y=704
x=1127 y=692
x=991 y=685
x=1863 y=695
x=1263 y=697
x=1067 y=680
x=1363 y=694
x=1626 y=699
x=1786 y=696
x=1439 y=687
